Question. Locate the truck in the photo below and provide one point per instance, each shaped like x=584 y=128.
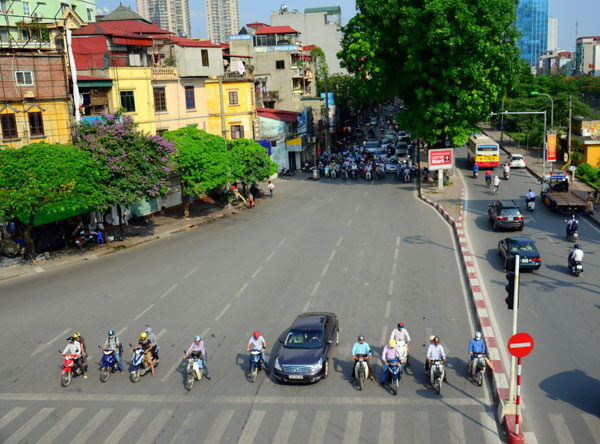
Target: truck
x=556 y=195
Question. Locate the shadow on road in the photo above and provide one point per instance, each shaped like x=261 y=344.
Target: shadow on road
x=576 y=388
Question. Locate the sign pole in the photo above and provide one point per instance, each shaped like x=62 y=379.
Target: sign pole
x=518 y=397
x=511 y=395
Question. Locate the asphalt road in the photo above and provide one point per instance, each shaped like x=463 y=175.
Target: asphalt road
x=560 y=378
x=371 y=252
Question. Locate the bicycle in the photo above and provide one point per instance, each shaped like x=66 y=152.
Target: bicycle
x=496 y=188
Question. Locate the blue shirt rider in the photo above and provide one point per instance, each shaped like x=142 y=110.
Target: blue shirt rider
x=362 y=348
x=475 y=168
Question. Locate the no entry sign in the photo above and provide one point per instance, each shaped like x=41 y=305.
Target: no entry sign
x=441 y=159
x=520 y=345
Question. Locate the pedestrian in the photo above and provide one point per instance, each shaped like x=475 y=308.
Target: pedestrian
x=271 y=188
x=589 y=199
x=251 y=199
x=572 y=169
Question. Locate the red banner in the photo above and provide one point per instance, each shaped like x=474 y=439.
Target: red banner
x=551 y=144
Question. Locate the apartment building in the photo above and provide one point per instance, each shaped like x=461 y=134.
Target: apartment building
x=172 y=15
x=222 y=19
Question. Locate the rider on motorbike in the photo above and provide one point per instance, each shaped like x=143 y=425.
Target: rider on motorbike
x=576 y=254
x=152 y=338
x=146 y=346
x=257 y=342
x=361 y=347
x=572 y=225
x=113 y=343
x=476 y=346
x=488 y=177
x=506 y=169
x=390 y=352
x=197 y=350
x=496 y=184
x=401 y=334
x=475 y=169
x=74 y=348
x=530 y=196
x=436 y=353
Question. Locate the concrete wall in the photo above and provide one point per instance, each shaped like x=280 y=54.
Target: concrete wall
x=189 y=61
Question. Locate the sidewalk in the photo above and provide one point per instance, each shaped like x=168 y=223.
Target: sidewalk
x=535 y=166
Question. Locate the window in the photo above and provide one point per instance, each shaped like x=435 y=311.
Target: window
x=128 y=101
x=160 y=100
x=233 y=98
x=36 y=124
x=190 y=98
x=237 y=131
x=205 y=57
x=24 y=78
x=26 y=8
x=279 y=64
x=9 y=126
x=90 y=17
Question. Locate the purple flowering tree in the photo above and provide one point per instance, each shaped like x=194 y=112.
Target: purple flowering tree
x=138 y=165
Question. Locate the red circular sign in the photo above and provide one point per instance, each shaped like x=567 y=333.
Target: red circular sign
x=520 y=345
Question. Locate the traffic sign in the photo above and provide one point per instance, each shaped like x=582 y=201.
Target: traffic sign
x=520 y=345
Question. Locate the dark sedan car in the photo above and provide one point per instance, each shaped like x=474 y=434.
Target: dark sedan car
x=505 y=214
x=529 y=257
x=304 y=354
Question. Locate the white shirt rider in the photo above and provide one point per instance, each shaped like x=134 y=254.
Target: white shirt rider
x=577 y=255
x=507 y=168
x=496 y=181
x=530 y=195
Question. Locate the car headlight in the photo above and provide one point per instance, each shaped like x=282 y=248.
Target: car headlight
x=318 y=366
x=277 y=366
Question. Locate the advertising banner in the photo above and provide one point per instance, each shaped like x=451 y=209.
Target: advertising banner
x=551 y=143
x=441 y=159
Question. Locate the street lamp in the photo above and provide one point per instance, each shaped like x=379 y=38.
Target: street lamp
x=536 y=93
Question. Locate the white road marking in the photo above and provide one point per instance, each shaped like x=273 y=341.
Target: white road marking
x=357 y=208
x=386 y=428
x=397 y=241
x=222 y=312
x=383 y=334
x=285 y=427
x=162 y=332
x=530 y=438
x=195 y=269
x=143 y=312
x=396 y=253
x=241 y=290
x=185 y=430
x=324 y=270
x=314 y=291
x=394 y=268
x=38 y=269
x=251 y=427
x=349 y=222
x=26 y=428
x=155 y=426
x=352 y=431
x=306 y=307
x=319 y=427
x=490 y=429
x=118 y=432
x=270 y=256
x=90 y=427
x=218 y=428
x=457 y=430
x=282 y=242
x=421 y=427
x=331 y=255
x=561 y=430
x=61 y=425
x=169 y=290
x=6 y=419
x=339 y=241
x=120 y=332
x=49 y=343
x=388 y=306
x=257 y=271
x=391 y=287
x=593 y=424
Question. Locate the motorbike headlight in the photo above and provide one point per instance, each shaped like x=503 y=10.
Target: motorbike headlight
x=318 y=366
x=277 y=366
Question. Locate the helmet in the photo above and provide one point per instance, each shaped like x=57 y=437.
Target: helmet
x=431 y=338
x=256 y=334
x=197 y=338
x=436 y=340
x=111 y=332
x=400 y=325
x=478 y=334
x=143 y=335
x=578 y=247
x=76 y=335
x=392 y=342
x=148 y=330
x=70 y=339
x=361 y=338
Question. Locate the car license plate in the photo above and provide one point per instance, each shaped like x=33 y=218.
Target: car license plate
x=580 y=267
x=295 y=376
x=510 y=219
x=524 y=261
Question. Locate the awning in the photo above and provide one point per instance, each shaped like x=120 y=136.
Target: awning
x=107 y=83
x=294 y=144
x=131 y=42
x=43 y=217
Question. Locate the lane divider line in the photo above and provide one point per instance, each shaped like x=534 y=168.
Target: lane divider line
x=241 y=290
x=173 y=287
x=120 y=332
x=306 y=306
x=332 y=256
x=397 y=241
x=282 y=242
x=257 y=271
x=312 y=293
x=270 y=256
x=222 y=312
x=324 y=270
x=162 y=332
x=383 y=335
x=396 y=253
x=191 y=272
x=143 y=312
x=391 y=287
x=349 y=222
x=339 y=241
x=394 y=268
x=388 y=306
x=357 y=208
x=49 y=343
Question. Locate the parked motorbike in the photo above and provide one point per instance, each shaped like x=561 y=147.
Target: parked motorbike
x=327 y=170
x=140 y=221
x=394 y=375
x=255 y=364
x=84 y=238
x=108 y=364
x=344 y=174
x=361 y=371
x=406 y=175
x=138 y=368
x=354 y=173
x=436 y=375
x=315 y=174
x=479 y=370
x=195 y=369
x=67 y=372
x=333 y=174
x=368 y=175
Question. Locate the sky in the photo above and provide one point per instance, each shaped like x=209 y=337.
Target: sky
x=568 y=12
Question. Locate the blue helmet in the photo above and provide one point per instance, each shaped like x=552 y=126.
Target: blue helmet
x=111 y=332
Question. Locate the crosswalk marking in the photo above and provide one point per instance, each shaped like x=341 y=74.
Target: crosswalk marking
x=489 y=428
x=26 y=428
x=152 y=430
x=386 y=428
x=352 y=432
x=218 y=428
x=60 y=426
x=285 y=427
x=185 y=430
x=593 y=424
x=457 y=430
x=87 y=431
x=560 y=428
x=251 y=427
x=421 y=424
x=317 y=434
x=123 y=426
x=6 y=419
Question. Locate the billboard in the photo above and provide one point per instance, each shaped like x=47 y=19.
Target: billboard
x=441 y=159
x=551 y=144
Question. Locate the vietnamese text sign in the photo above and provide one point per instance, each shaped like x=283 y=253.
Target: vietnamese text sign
x=441 y=159
x=551 y=143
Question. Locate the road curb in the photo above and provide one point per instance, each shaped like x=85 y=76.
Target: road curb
x=497 y=378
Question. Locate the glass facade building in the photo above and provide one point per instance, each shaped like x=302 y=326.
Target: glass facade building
x=532 y=24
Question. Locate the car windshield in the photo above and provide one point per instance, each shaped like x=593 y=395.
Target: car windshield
x=510 y=212
x=304 y=339
x=521 y=246
x=372 y=144
x=517 y=157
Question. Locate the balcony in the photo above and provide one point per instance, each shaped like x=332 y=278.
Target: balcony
x=234 y=75
x=164 y=73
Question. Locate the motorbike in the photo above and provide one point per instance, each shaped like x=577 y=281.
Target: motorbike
x=394 y=375
x=315 y=173
x=333 y=172
x=530 y=204
x=85 y=237
x=361 y=371
x=488 y=181
x=572 y=234
x=576 y=267
x=195 y=369
x=406 y=175
x=326 y=171
x=368 y=175
x=344 y=174
x=255 y=364
x=108 y=364
x=506 y=175
x=378 y=174
x=138 y=368
x=354 y=173
x=68 y=373
x=479 y=369
x=436 y=375
x=475 y=174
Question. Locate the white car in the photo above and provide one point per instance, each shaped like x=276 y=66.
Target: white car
x=517 y=161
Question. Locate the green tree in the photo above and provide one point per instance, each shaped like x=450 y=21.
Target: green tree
x=47 y=178
x=250 y=161
x=320 y=66
x=138 y=165
x=347 y=92
x=449 y=60
x=201 y=159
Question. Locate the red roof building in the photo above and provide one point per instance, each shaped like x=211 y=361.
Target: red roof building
x=275 y=30
x=278 y=114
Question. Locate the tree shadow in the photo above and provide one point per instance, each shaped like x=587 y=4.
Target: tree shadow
x=574 y=387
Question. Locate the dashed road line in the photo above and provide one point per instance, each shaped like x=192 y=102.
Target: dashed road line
x=383 y=334
x=282 y=242
x=398 y=241
x=349 y=222
x=339 y=241
x=306 y=307
x=143 y=312
x=173 y=287
x=391 y=287
x=257 y=271
x=241 y=290
x=394 y=268
x=49 y=343
x=270 y=256
x=314 y=291
x=388 y=306
x=331 y=256
x=162 y=332
x=357 y=208
x=120 y=332
x=324 y=270
x=396 y=253
x=195 y=269
x=223 y=312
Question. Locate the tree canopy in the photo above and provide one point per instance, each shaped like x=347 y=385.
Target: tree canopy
x=250 y=161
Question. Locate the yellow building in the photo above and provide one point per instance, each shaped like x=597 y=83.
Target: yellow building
x=236 y=118
x=132 y=91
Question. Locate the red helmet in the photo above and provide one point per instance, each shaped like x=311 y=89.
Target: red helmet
x=400 y=324
x=256 y=334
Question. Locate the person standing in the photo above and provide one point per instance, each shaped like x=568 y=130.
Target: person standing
x=152 y=338
x=572 y=169
x=271 y=188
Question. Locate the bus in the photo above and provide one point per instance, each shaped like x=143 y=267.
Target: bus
x=483 y=151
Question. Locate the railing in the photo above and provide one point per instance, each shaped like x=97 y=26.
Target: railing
x=233 y=75
x=267 y=96
x=164 y=72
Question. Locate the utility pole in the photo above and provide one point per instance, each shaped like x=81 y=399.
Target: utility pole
x=327 y=145
x=223 y=128
x=569 y=130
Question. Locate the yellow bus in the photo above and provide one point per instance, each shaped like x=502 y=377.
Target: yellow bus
x=483 y=151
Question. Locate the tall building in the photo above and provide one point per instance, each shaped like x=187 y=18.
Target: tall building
x=222 y=19
x=587 y=56
x=172 y=15
x=552 y=33
x=532 y=24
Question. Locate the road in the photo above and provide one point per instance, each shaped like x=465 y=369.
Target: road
x=560 y=378
x=371 y=252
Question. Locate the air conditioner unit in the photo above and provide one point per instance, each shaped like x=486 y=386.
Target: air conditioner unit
x=36 y=15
